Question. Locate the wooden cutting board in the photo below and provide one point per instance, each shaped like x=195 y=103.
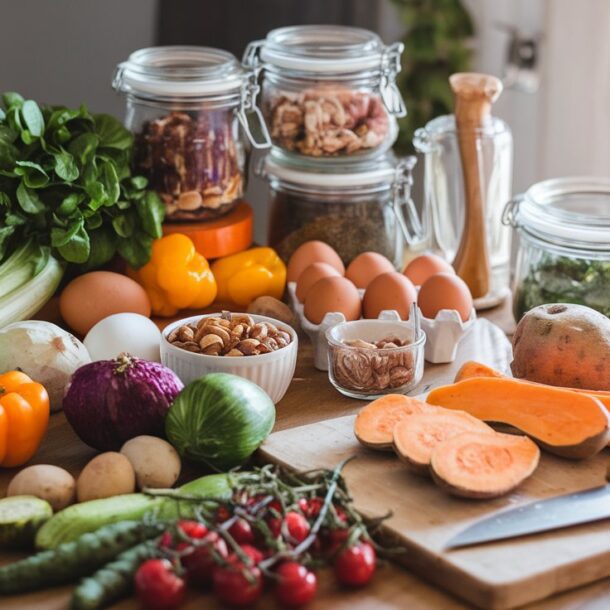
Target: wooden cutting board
x=495 y=576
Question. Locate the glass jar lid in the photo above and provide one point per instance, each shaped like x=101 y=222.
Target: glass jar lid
x=323 y=48
x=573 y=212
x=331 y=51
x=172 y=72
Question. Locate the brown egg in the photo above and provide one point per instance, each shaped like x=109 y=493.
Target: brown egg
x=332 y=294
x=445 y=291
x=94 y=296
x=366 y=267
x=312 y=252
x=389 y=291
x=313 y=273
x=425 y=266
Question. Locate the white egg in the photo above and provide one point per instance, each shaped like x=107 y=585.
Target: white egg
x=124 y=332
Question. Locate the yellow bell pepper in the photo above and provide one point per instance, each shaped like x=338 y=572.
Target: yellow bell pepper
x=176 y=277
x=249 y=274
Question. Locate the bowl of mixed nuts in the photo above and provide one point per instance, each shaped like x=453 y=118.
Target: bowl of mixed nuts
x=261 y=349
x=370 y=358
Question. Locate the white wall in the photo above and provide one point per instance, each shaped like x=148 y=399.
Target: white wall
x=65 y=51
x=564 y=128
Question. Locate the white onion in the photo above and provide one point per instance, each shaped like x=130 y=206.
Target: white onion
x=44 y=352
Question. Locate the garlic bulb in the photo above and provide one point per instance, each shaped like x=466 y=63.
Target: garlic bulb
x=44 y=352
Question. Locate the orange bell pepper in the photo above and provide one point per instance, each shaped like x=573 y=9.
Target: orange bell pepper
x=176 y=277
x=249 y=274
x=24 y=416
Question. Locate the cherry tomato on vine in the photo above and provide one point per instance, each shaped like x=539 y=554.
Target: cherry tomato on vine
x=297 y=526
x=191 y=529
x=222 y=514
x=296 y=585
x=231 y=585
x=242 y=532
x=157 y=586
x=355 y=565
x=335 y=540
x=256 y=555
x=200 y=564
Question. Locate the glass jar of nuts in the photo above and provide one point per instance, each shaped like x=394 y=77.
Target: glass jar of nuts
x=329 y=90
x=185 y=106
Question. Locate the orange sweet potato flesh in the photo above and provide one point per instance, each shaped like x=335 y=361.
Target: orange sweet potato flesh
x=482 y=464
x=374 y=423
x=415 y=437
x=567 y=423
x=477 y=369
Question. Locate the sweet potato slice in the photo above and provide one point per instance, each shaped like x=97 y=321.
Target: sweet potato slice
x=374 y=423
x=564 y=422
x=483 y=465
x=477 y=369
x=416 y=436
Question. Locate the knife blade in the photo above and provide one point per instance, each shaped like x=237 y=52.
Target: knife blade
x=541 y=516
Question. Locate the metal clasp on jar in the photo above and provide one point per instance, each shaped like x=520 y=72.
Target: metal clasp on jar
x=390 y=67
x=511 y=212
x=403 y=204
x=257 y=131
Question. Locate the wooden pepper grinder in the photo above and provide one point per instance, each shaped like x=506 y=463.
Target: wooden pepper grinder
x=474 y=95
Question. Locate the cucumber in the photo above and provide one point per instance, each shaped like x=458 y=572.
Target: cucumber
x=20 y=519
x=211 y=486
x=76 y=520
x=114 y=581
x=72 y=560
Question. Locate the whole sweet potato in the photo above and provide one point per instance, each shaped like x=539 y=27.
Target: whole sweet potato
x=563 y=345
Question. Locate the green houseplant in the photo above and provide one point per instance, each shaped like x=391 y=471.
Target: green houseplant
x=436 y=45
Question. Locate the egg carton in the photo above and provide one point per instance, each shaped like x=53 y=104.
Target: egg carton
x=443 y=333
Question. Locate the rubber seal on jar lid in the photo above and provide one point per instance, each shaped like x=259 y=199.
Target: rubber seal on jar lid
x=180 y=71
x=571 y=211
x=321 y=48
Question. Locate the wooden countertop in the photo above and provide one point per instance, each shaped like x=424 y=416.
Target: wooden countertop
x=310 y=398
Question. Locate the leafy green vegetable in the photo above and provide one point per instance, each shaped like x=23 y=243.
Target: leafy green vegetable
x=65 y=180
x=560 y=279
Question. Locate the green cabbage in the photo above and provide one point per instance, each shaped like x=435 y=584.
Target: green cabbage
x=219 y=420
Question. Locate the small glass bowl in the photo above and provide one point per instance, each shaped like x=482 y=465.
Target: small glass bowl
x=370 y=372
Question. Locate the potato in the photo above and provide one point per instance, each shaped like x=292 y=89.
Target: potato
x=563 y=345
x=47 y=482
x=155 y=461
x=108 y=474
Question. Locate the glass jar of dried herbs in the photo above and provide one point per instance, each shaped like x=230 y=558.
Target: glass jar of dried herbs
x=363 y=207
x=564 y=250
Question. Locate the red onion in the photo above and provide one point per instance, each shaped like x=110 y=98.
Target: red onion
x=110 y=401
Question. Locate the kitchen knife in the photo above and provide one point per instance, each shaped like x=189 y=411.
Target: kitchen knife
x=541 y=516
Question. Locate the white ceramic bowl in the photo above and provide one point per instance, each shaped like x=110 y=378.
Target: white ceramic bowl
x=273 y=371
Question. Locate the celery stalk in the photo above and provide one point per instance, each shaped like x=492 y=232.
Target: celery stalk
x=28 y=279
